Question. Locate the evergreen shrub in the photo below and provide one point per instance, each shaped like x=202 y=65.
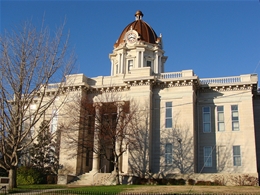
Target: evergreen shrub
x=29 y=175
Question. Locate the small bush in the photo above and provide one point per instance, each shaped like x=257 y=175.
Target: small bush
x=244 y=180
x=219 y=180
x=177 y=181
x=51 y=179
x=141 y=181
x=204 y=183
x=191 y=181
x=29 y=175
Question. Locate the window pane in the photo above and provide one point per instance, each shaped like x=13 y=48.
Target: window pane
x=168 y=123
x=206 y=117
x=168 y=112
x=206 y=127
x=234 y=107
x=208 y=162
x=130 y=64
x=168 y=153
x=236 y=156
x=221 y=126
x=237 y=161
x=220 y=108
x=168 y=104
x=168 y=159
x=206 y=109
x=234 y=114
x=235 y=126
x=220 y=116
x=236 y=150
x=168 y=148
x=207 y=156
x=235 y=118
x=207 y=151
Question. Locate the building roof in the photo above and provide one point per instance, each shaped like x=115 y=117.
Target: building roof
x=144 y=30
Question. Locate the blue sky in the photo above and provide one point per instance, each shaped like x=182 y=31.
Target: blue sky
x=214 y=38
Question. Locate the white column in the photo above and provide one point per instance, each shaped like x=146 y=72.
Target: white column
x=159 y=65
x=95 y=162
x=142 y=59
x=112 y=68
x=137 y=63
x=156 y=63
x=120 y=63
x=119 y=143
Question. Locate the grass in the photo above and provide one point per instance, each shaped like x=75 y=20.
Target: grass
x=134 y=189
x=41 y=186
x=102 y=189
x=34 y=187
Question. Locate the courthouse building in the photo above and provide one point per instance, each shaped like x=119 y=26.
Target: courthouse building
x=195 y=126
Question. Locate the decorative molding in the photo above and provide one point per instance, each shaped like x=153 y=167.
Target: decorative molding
x=235 y=87
x=108 y=89
x=141 y=82
x=176 y=83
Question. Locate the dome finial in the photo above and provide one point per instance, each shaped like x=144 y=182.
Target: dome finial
x=138 y=15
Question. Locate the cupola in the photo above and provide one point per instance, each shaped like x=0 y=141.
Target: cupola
x=137 y=48
x=145 y=31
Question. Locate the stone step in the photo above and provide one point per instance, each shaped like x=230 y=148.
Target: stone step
x=95 y=179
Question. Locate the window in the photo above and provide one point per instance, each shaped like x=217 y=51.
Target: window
x=87 y=156
x=207 y=156
x=168 y=153
x=91 y=123
x=236 y=156
x=235 y=118
x=54 y=121
x=220 y=118
x=130 y=65
x=168 y=115
x=149 y=64
x=206 y=119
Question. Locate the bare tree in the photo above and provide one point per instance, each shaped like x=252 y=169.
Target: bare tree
x=104 y=125
x=140 y=148
x=30 y=60
x=180 y=158
x=180 y=137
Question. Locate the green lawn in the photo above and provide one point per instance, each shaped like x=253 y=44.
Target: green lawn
x=41 y=186
x=138 y=189
x=102 y=189
x=75 y=189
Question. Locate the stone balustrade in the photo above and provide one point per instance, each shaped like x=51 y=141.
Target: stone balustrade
x=235 y=79
x=170 y=75
x=53 y=86
x=247 y=78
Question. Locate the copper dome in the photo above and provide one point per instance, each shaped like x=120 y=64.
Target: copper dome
x=145 y=31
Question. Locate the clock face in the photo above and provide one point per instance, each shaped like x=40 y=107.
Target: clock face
x=131 y=37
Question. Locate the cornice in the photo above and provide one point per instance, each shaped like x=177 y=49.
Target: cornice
x=108 y=89
x=230 y=87
x=181 y=82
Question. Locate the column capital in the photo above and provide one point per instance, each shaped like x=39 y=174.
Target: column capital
x=119 y=104
x=97 y=104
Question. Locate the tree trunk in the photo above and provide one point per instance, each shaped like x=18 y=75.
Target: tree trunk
x=12 y=178
x=117 y=171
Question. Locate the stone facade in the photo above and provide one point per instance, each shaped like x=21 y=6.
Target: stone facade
x=192 y=126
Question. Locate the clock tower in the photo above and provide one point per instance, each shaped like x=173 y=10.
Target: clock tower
x=137 y=47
